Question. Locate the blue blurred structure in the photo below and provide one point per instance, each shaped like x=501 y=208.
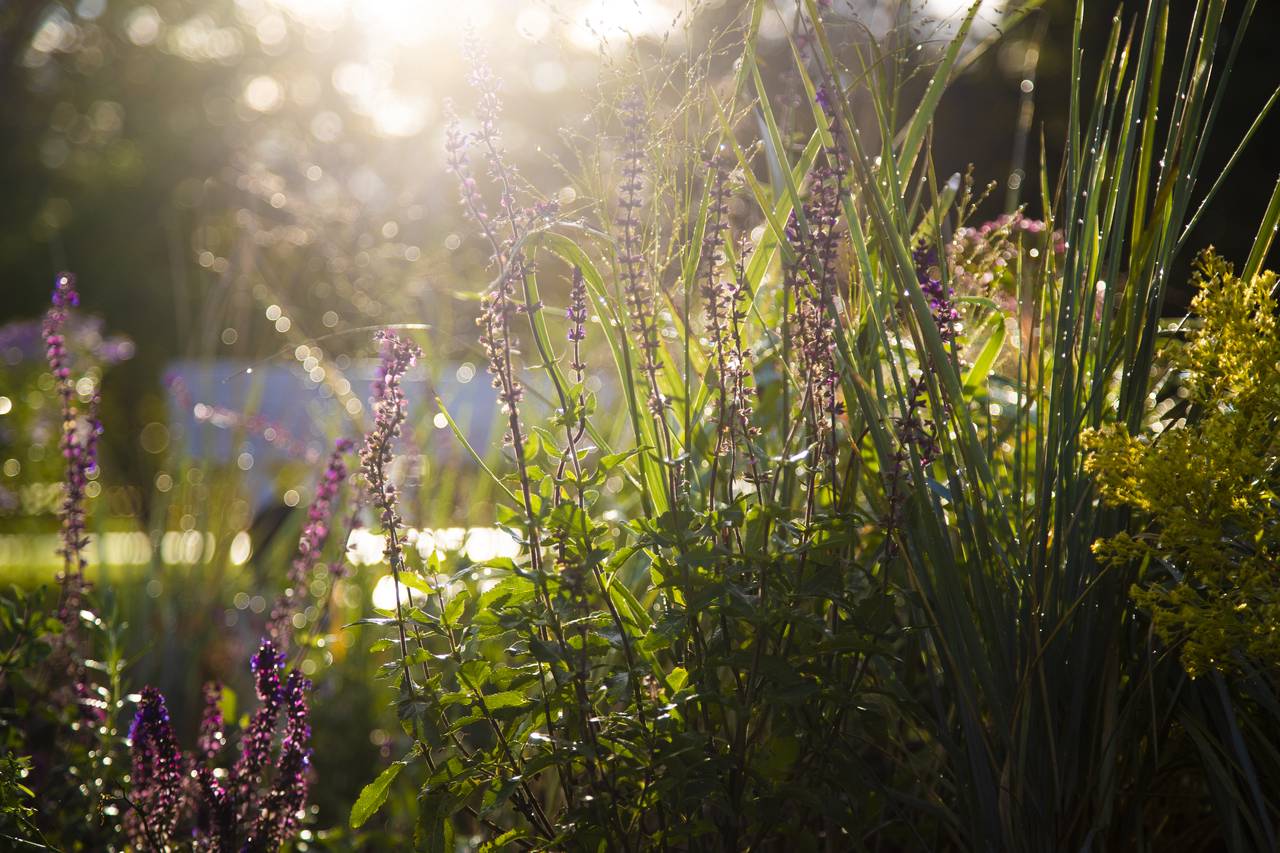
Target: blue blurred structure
x=262 y=417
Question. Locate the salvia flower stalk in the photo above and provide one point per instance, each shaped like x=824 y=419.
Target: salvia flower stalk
x=390 y=408
x=254 y=805
x=945 y=315
x=278 y=813
x=310 y=545
x=637 y=290
x=159 y=768
x=79 y=445
x=812 y=278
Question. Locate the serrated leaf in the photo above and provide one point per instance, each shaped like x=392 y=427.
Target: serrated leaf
x=374 y=795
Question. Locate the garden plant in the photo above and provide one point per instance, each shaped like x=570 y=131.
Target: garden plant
x=840 y=507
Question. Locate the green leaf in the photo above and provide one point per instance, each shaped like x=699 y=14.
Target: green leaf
x=433 y=830
x=453 y=610
x=415 y=581
x=505 y=699
x=503 y=841
x=1266 y=233
x=509 y=592
x=914 y=132
x=987 y=356
x=374 y=795
x=629 y=604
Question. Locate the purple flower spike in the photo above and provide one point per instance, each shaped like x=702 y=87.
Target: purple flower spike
x=278 y=817
x=212 y=737
x=938 y=293
x=311 y=544
x=255 y=748
x=389 y=411
x=577 y=310
x=79 y=446
x=157 y=774
x=255 y=806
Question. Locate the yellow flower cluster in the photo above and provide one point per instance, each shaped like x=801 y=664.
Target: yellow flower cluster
x=1205 y=490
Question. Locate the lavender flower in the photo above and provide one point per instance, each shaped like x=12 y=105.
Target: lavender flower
x=738 y=366
x=279 y=812
x=495 y=337
x=824 y=100
x=79 y=448
x=255 y=747
x=212 y=738
x=157 y=774
x=945 y=315
x=256 y=805
x=311 y=544
x=455 y=146
x=636 y=289
x=812 y=277
x=574 y=429
x=576 y=313
x=570 y=570
x=488 y=111
x=389 y=413
x=244 y=812
x=916 y=431
x=717 y=295
x=215 y=822
x=388 y=417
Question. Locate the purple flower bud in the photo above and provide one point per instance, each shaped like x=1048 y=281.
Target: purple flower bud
x=212 y=738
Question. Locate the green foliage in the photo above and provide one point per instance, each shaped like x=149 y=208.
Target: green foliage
x=826 y=573
x=1204 y=487
x=800 y=496
x=16 y=810
x=374 y=795
x=60 y=703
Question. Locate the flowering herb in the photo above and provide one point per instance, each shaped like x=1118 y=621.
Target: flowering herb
x=79 y=445
x=389 y=413
x=938 y=292
x=255 y=804
x=311 y=544
x=278 y=811
x=158 y=771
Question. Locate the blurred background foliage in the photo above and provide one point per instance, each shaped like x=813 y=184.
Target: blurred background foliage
x=202 y=160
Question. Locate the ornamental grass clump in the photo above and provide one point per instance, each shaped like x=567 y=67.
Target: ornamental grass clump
x=821 y=572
